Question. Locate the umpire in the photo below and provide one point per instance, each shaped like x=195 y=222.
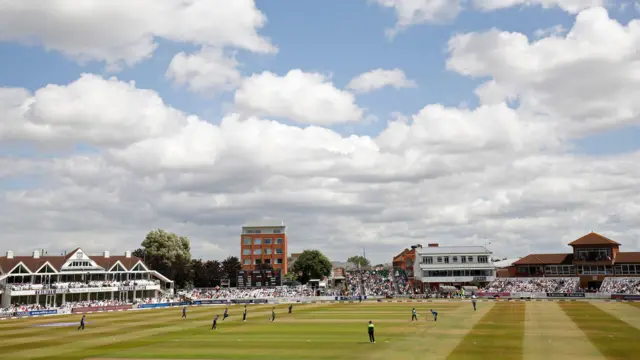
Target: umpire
x=371 y=330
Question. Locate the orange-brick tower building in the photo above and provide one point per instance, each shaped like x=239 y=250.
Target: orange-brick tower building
x=264 y=243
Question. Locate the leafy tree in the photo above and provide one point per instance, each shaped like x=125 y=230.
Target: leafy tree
x=264 y=267
x=311 y=264
x=213 y=270
x=230 y=268
x=169 y=254
x=198 y=274
x=359 y=260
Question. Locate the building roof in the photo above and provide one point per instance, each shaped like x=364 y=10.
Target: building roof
x=453 y=250
x=33 y=264
x=593 y=239
x=545 y=259
x=628 y=257
x=264 y=223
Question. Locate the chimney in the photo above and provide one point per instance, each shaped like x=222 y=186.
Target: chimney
x=36 y=254
x=105 y=254
x=127 y=254
x=9 y=254
x=433 y=245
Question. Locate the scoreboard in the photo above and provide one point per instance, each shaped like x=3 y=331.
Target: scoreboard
x=259 y=278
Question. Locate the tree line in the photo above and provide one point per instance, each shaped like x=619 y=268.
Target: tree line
x=170 y=255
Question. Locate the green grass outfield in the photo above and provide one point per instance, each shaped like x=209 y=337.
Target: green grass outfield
x=498 y=330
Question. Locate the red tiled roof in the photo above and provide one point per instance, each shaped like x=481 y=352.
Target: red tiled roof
x=56 y=262
x=545 y=259
x=628 y=258
x=593 y=239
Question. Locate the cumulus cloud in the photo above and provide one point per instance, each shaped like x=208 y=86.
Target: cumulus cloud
x=571 y=6
x=379 y=78
x=501 y=170
x=308 y=98
x=415 y=12
x=208 y=70
x=548 y=76
x=121 y=32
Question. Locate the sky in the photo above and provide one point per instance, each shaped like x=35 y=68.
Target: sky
x=362 y=124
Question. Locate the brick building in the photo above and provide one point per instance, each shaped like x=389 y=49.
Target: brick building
x=264 y=243
x=594 y=257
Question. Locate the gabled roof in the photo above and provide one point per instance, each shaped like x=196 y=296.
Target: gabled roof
x=33 y=264
x=593 y=239
x=628 y=258
x=545 y=259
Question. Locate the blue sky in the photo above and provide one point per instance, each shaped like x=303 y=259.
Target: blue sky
x=343 y=39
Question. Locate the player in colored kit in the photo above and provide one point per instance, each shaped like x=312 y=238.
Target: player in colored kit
x=473 y=301
x=414 y=315
x=435 y=314
x=273 y=314
x=184 y=312
x=371 y=330
x=290 y=308
x=215 y=323
x=244 y=314
x=81 y=323
x=226 y=314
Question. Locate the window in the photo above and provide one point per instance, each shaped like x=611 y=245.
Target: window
x=440 y=259
x=279 y=241
x=470 y=258
x=278 y=251
x=247 y=262
x=454 y=259
x=246 y=252
x=257 y=241
x=257 y=251
x=446 y=259
x=246 y=241
x=463 y=259
x=277 y=231
x=427 y=260
x=267 y=241
x=483 y=259
x=278 y=261
x=267 y=261
x=257 y=261
x=267 y=251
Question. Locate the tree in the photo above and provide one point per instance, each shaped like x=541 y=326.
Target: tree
x=169 y=254
x=359 y=260
x=198 y=274
x=213 y=270
x=230 y=268
x=311 y=264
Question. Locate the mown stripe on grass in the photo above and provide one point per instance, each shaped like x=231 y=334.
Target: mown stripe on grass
x=624 y=312
x=127 y=339
x=548 y=330
x=498 y=335
x=614 y=338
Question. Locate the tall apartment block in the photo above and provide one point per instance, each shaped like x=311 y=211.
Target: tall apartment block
x=264 y=243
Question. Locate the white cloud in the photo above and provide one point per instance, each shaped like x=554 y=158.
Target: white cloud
x=90 y=110
x=588 y=80
x=208 y=70
x=550 y=31
x=307 y=98
x=447 y=174
x=415 y=12
x=379 y=78
x=571 y=6
x=121 y=32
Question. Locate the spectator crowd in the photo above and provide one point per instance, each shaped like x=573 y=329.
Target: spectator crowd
x=546 y=285
x=626 y=286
